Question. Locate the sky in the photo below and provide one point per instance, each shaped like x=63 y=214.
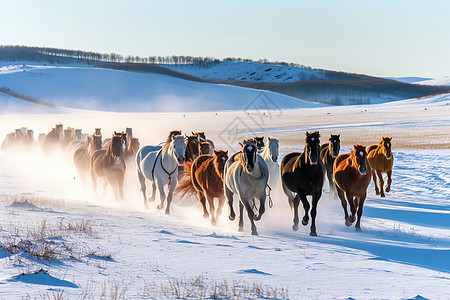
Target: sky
x=380 y=38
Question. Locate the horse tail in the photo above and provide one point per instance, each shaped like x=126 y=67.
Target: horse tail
x=186 y=187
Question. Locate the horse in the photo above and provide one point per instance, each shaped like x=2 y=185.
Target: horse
x=192 y=148
x=352 y=175
x=133 y=148
x=129 y=132
x=302 y=175
x=328 y=153
x=246 y=174
x=53 y=138
x=69 y=136
x=205 y=148
x=204 y=176
x=202 y=138
x=270 y=156
x=83 y=154
x=161 y=167
x=259 y=143
x=381 y=160
x=110 y=165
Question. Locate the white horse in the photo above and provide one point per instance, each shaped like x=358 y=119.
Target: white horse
x=160 y=165
x=270 y=156
x=246 y=175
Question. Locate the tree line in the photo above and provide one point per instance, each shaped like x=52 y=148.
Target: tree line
x=64 y=56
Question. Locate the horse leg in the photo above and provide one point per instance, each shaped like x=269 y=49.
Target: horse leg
x=360 y=210
x=162 y=195
x=143 y=188
x=262 y=206
x=374 y=177
x=315 y=201
x=289 y=194
x=212 y=209
x=121 y=180
x=306 y=207
x=201 y=197
x=220 y=206
x=152 y=197
x=351 y=202
x=341 y=196
x=94 y=181
x=229 y=195
x=295 y=203
x=380 y=178
x=172 y=186
x=331 y=183
x=389 y=174
x=251 y=216
x=241 y=218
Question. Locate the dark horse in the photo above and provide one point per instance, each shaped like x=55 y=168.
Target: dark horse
x=381 y=161
x=352 y=176
x=204 y=176
x=192 y=148
x=328 y=153
x=110 y=165
x=302 y=175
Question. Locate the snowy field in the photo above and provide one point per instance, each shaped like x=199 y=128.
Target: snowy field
x=58 y=241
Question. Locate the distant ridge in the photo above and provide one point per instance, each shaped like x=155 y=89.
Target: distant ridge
x=26 y=98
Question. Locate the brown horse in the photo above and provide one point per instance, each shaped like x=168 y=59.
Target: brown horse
x=352 y=174
x=328 y=153
x=381 y=161
x=133 y=148
x=192 y=148
x=110 y=165
x=205 y=148
x=205 y=176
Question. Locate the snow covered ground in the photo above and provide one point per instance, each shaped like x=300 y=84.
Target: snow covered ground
x=57 y=240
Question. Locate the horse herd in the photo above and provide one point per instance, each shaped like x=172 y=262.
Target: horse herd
x=190 y=165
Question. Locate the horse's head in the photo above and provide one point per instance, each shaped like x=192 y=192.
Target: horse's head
x=249 y=155
x=274 y=146
x=205 y=148
x=361 y=161
x=179 y=147
x=129 y=132
x=192 y=147
x=220 y=158
x=386 y=143
x=259 y=142
x=201 y=136
x=98 y=131
x=171 y=134
x=312 y=148
x=334 y=145
x=77 y=134
x=96 y=142
x=123 y=136
x=116 y=147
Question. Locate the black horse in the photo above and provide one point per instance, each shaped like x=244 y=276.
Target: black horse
x=302 y=175
x=328 y=153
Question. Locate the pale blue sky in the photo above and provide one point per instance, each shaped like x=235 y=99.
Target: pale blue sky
x=381 y=38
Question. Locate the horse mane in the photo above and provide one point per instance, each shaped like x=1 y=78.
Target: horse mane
x=169 y=138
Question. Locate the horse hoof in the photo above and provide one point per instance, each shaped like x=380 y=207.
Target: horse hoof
x=167 y=212
x=348 y=223
x=383 y=195
x=313 y=233
x=159 y=207
x=254 y=232
x=358 y=229
x=388 y=190
x=295 y=227
x=205 y=216
x=231 y=217
x=240 y=229
x=257 y=217
x=377 y=192
x=213 y=223
x=305 y=222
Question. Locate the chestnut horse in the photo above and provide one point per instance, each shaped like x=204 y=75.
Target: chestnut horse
x=381 y=161
x=352 y=174
x=132 y=148
x=110 y=165
x=328 y=153
x=302 y=175
x=204 y=176
x=192 y=148
x=202 y=139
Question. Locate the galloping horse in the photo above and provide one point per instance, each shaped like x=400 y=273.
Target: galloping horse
x=259 y=143
x=161 y=167
x=205 y=148
x=132 y=148
x=202 y=139
x=328 y=153
x=381 y=161
x=246 y=175
x=270 y=156
x=302 y=175
x=192 y=148
x=110 y=165
x=204 y=176
x=352 y=176
x=82 y=156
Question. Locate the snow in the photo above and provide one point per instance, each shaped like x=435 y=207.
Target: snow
x=58 y=239
x=438 y=81
x=104 y=89
x=247 y=71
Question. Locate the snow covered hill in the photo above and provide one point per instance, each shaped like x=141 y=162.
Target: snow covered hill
x=438 y=81
x=84 y=87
